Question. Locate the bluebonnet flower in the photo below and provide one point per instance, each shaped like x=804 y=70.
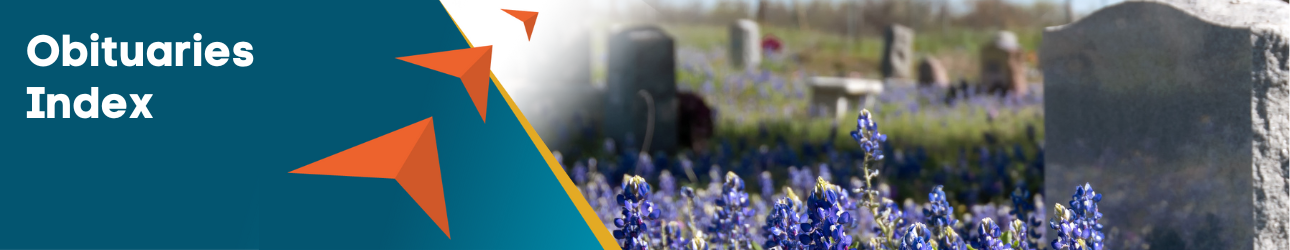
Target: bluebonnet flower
x=1016 y=235
x=730 y=225
x=1077 y=227
x=828 y=218
x=950 y=240
x=916 y=237
x=940 y=216
x=886 y=215
x=697 y=240
x=783 y=225
x=1025 y=212
x=637 y=214
x=867 y=135
x=672 y=238
x=989 y=237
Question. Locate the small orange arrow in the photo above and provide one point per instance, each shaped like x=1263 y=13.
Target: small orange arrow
x=528 y=17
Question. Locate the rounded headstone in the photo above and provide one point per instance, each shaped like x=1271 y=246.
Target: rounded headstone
x=932 y=73
x=745 y=44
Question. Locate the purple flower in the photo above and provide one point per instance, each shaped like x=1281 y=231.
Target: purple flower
x=916 y=238
x=1077 y=227
x=826 y=207
x=731 y=222
x=989 y=236
x=637 y=214
x=867 y=135
x=939 y=213
x=783 y=225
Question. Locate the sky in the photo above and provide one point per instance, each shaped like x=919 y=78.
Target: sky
x=1081 y=7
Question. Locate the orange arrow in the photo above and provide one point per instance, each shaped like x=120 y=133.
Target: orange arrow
x=471 y=65
x=528 y=17
x=408 y=155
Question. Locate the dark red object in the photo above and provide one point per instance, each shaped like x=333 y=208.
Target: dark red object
x=771 y=43
x=695 y=126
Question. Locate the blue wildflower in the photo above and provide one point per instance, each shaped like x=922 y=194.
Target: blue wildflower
x=1025 y=213
x=783 y=225
x=730 y=225
x=989 y=236
x=829 y=218
x=637 y=214
x=1077 y=227
x=1016 y=235
x=940 y=216
x=939 y=213
x=867 y=135
x=950 y=240
x=916 y=237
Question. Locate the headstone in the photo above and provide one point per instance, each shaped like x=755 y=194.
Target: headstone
x=745 y=45
x=1003 y=65
x=837 y=96
x=932 y=73
x=640 y=86
x=898 y=52
x=1179 y=115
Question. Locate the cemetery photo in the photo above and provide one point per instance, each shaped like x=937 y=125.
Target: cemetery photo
x=920 y=124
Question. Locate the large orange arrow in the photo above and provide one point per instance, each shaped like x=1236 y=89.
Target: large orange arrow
x=471 y=65
x=408 y=155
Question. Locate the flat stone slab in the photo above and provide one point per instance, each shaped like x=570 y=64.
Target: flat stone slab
x=838 y=95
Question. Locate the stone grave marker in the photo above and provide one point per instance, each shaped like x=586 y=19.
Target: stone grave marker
x=1002 y=65
x=745 y=45
x=898 y=52
x=1179 y=115
x=641 y=89
x=932 y=73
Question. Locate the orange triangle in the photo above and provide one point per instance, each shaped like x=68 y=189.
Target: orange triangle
x=528 y=17
x=471 y=65
x=378 y=158
x=421 y=179
x=409 y=155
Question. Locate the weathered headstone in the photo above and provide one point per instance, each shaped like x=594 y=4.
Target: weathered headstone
x=640 y=87
x=932 y=73
x=745 y=45
x=836 y=96
x=1179 y=114
x=1002 y=65
x=898 y=52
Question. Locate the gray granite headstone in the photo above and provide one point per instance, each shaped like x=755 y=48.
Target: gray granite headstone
x=641 y=77
x=745 y=45
x=898 y=52
x=1177 y=113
